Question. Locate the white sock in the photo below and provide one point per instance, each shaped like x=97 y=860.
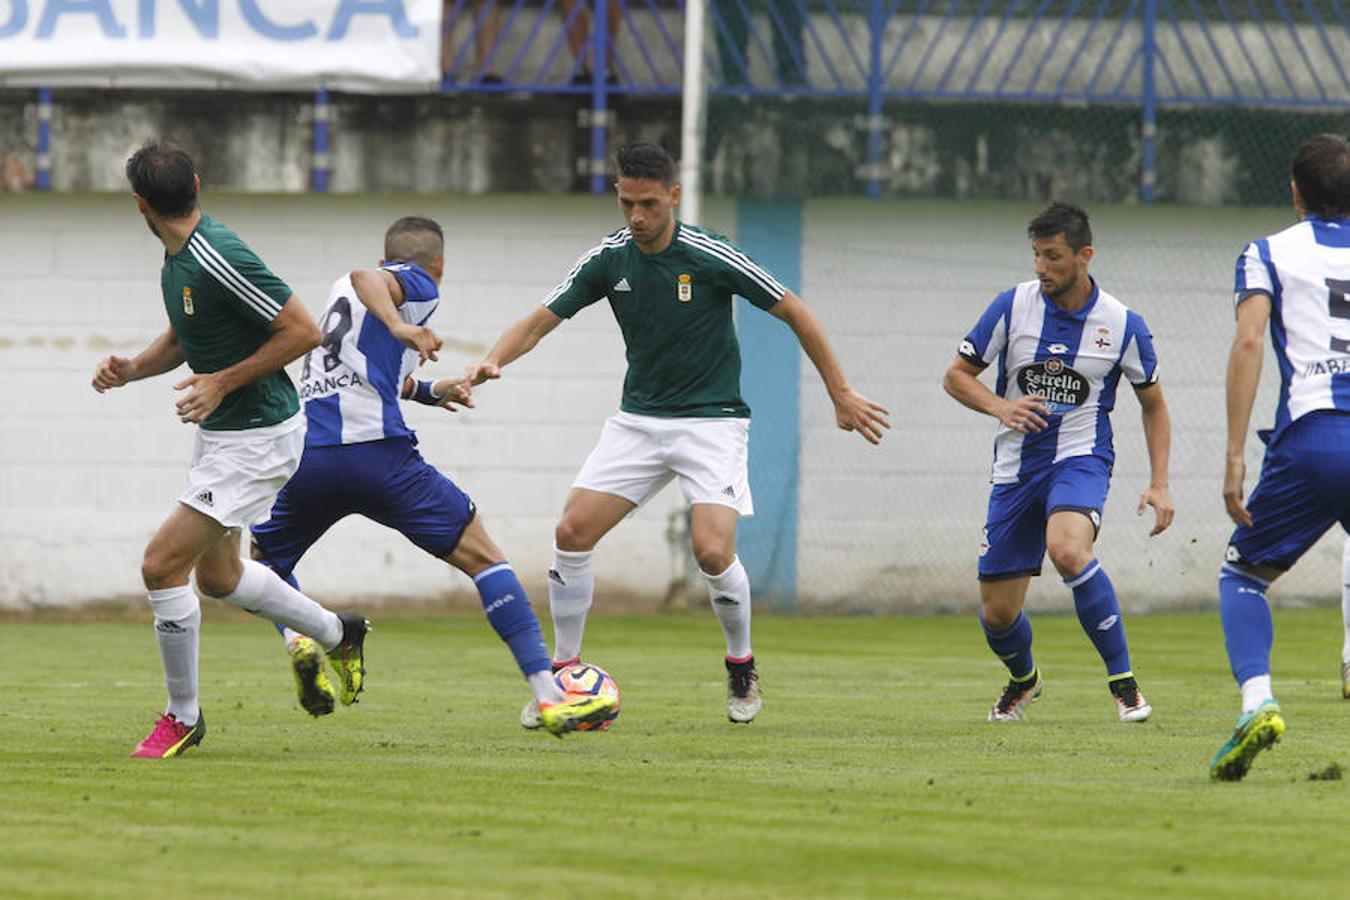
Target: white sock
x=178 y=623
x=544 y=687
x=1255 y=691
x=289 y=634
x=262 y=592
x=1345 y=600
x=571 y=586
x=729 y=594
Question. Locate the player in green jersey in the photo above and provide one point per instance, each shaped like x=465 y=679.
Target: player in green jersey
x=670 y=286
x=236 y=325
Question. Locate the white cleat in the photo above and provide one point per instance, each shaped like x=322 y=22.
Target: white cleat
x=529 y=716
x=743 y=700
x=1016 y=697
x=1129 y=702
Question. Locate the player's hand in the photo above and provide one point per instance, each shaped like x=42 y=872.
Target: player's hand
x=112 y=372
x=478 y=373
x=1160 y=498
x=204 y=395
x=854 y=412
x=453 y=393
x=1024 y=413
x=1234 y=474
x=420 y=338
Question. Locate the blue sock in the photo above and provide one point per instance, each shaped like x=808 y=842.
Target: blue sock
x=1248 y=631
x=1094 y=597
x=510 y=615
x=1013 y=646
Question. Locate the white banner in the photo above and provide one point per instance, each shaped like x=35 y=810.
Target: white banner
x=369 y=46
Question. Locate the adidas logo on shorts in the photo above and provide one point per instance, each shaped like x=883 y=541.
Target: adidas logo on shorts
x=204 y=498
x=729 y=491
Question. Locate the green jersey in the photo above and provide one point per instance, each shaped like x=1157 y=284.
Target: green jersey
x=675 y=311
x=221 y=298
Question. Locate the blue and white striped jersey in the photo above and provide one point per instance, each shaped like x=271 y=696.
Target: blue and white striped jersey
x=351 y=382
x=1074 y=360
x=1306 y=271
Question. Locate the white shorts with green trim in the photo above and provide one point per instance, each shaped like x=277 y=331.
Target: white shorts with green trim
x=639 y=455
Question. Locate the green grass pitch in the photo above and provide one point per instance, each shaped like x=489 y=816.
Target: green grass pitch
x=871 y=771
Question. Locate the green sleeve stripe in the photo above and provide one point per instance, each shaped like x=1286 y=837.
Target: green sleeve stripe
x=220 y=269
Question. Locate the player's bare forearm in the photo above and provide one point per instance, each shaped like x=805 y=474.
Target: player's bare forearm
x=515 y=342
x=163 y=355
x=293 y=334
x=1244 y=374
x=852 y=411
x=963 y=383
x=811 y=335
x=1157 y=432
x=1244 y=369
x=381 y=293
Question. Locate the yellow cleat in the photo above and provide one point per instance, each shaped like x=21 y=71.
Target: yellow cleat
x=316 y=691
x=1257 y=730
x=570 y=715
x=348 y=658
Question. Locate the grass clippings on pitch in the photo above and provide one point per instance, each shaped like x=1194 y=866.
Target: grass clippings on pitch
x=871 y=771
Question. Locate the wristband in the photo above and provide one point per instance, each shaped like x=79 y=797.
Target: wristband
x=422 y=392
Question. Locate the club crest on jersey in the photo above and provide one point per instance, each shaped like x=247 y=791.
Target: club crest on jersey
x=188 y=308
x=1103 y=337
x=685 y=292
x=1062 y=387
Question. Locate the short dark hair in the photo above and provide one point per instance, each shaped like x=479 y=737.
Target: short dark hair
x=414 y=239
x=163 y=175
x=646 y=162
x=1062 y=218
x=1321 y=172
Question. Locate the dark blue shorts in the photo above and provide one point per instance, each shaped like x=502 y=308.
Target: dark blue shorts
x=386 y=481
x=1304 y=489
x=1014 y=531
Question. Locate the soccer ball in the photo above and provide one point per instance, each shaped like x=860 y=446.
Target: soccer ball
x=584 y=680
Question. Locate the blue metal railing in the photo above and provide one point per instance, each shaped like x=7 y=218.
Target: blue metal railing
x=1146 y=53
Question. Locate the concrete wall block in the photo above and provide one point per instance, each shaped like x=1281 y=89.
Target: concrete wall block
x=133 y=488
x=52 y=486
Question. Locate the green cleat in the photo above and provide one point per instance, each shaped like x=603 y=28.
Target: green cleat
x=316 y=691
x=348 y=657
x=1255 y=731
x=560 y=718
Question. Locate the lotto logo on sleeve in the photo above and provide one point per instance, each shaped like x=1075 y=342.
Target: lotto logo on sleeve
x=1062 y=387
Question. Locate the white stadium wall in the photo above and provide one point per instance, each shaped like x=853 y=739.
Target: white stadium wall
x=85 y=479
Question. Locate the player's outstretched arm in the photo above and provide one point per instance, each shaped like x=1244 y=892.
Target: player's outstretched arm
x=293 y=333
x=852 y=411
x=380 y=292
x=1244 y=374
x=163 y=355
x=1158 y=438
x=514 y=343
x=1024 y=414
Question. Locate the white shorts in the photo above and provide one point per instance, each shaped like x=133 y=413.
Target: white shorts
x=638 y=455
x=235 y=475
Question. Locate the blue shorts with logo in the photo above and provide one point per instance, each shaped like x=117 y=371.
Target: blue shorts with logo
x=386 y=481
x=1304 y=489
x=1014 y=530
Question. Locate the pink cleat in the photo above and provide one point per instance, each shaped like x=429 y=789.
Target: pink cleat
x=170 y=737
